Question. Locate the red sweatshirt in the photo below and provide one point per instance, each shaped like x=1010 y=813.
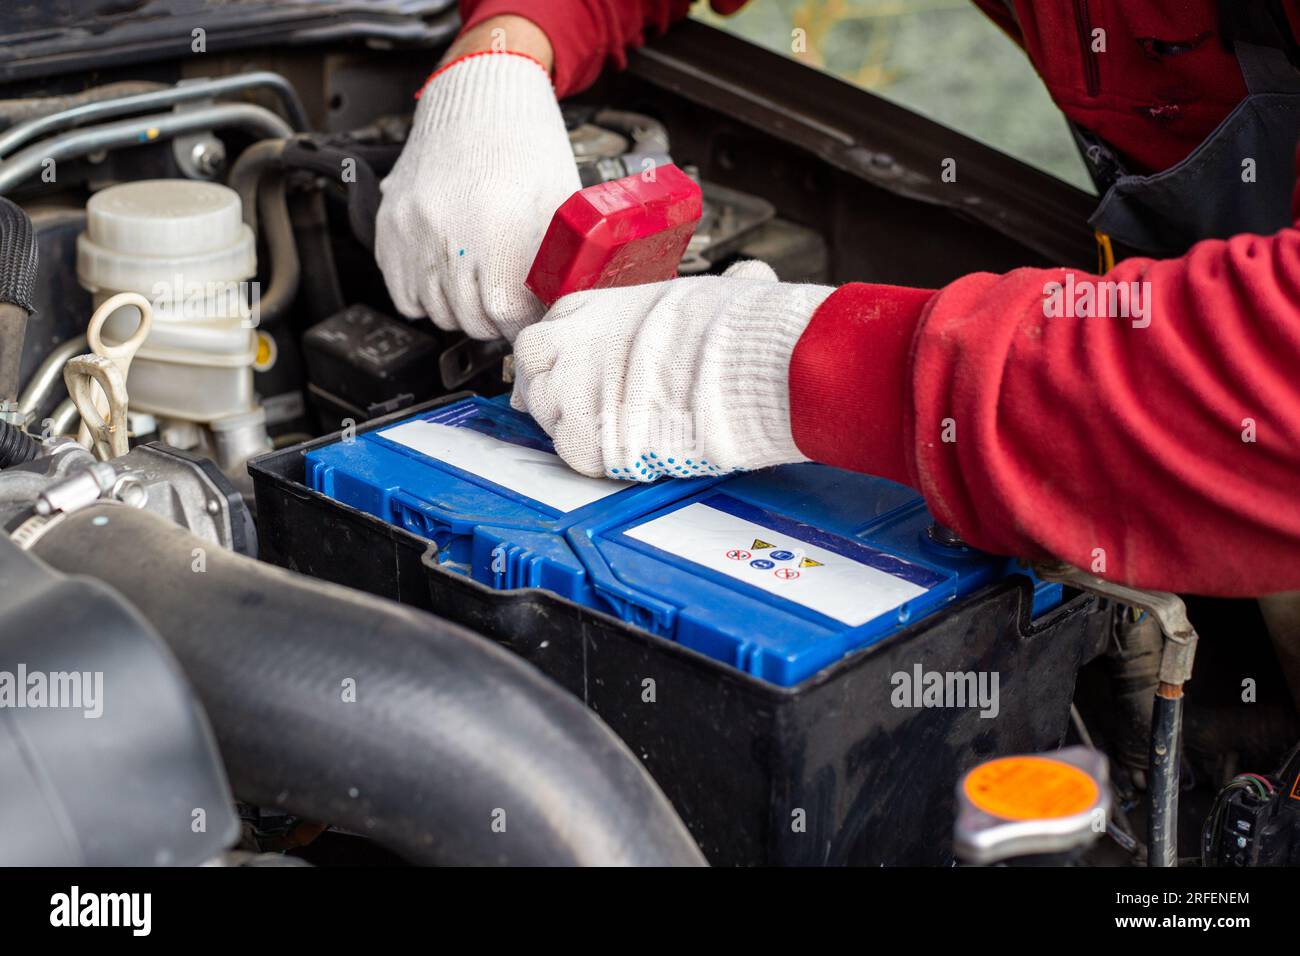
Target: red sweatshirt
x=1162 y=450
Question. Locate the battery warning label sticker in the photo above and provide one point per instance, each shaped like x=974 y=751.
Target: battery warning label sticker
x=842 y=579
x=540 y=475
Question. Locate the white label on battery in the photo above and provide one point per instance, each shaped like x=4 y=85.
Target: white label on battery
x=540 y=475
x=827 y=582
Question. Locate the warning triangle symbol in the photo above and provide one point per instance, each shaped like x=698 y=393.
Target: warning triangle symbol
x=759 y=544
x=809 y=563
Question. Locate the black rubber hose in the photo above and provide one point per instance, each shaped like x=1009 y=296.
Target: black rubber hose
x=16 y=446
x=450 y=750
x=17 y=255
x=17 y=280
x=344 y=168
x=1133 y=670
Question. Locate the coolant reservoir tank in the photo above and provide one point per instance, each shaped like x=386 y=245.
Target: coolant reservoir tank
x=184 y=246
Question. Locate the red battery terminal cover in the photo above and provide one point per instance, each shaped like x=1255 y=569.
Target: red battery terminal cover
x=626 y=232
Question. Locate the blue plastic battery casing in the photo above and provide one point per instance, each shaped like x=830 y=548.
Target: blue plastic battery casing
x=778 y=572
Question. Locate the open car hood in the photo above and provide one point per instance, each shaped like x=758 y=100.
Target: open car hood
x=48 y=37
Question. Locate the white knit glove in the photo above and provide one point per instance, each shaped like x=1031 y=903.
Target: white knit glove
x=685 y=377
x=487 y=164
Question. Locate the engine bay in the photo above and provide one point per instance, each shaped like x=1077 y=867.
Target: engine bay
x=346 y=603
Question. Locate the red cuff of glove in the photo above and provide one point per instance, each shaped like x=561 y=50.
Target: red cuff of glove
x=473 y=56
x=850 y=380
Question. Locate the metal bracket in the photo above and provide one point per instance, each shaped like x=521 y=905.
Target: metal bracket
x=1167 y=609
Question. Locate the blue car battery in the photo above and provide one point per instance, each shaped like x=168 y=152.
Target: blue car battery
x=449 y=474
x=778 y=572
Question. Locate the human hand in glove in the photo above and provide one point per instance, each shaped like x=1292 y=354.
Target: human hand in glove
x=464 y=210
x=685 y=377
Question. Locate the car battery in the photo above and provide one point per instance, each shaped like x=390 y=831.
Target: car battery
x=475 y=473
x=839 y=768
x=778 y=573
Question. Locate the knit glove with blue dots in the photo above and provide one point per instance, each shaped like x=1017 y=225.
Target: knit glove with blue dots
x=681 y=378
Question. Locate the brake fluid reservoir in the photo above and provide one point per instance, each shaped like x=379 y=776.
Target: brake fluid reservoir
x=184 y=246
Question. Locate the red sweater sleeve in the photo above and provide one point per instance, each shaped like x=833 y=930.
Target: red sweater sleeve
x=1168 y=450
x=586 y=33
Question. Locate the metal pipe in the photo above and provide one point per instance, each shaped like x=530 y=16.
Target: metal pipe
x=48 y=374
x=187 y=91
x=22 y=109
x=257 y=178
x=286 y=269
x=246 y=174
x=1162 y=787
x=65 y=417
x=136 y=131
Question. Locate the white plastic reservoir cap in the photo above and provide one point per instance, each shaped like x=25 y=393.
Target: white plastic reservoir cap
x=185 y=247
x=170 y=231
x=168 y=218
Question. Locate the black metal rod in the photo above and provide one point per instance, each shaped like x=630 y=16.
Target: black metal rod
x=1162 y=787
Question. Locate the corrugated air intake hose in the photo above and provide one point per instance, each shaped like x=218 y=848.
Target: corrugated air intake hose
x=453 y=750
x=17 y=279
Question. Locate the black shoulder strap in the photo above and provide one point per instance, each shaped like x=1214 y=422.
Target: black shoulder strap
x=1261 y=23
